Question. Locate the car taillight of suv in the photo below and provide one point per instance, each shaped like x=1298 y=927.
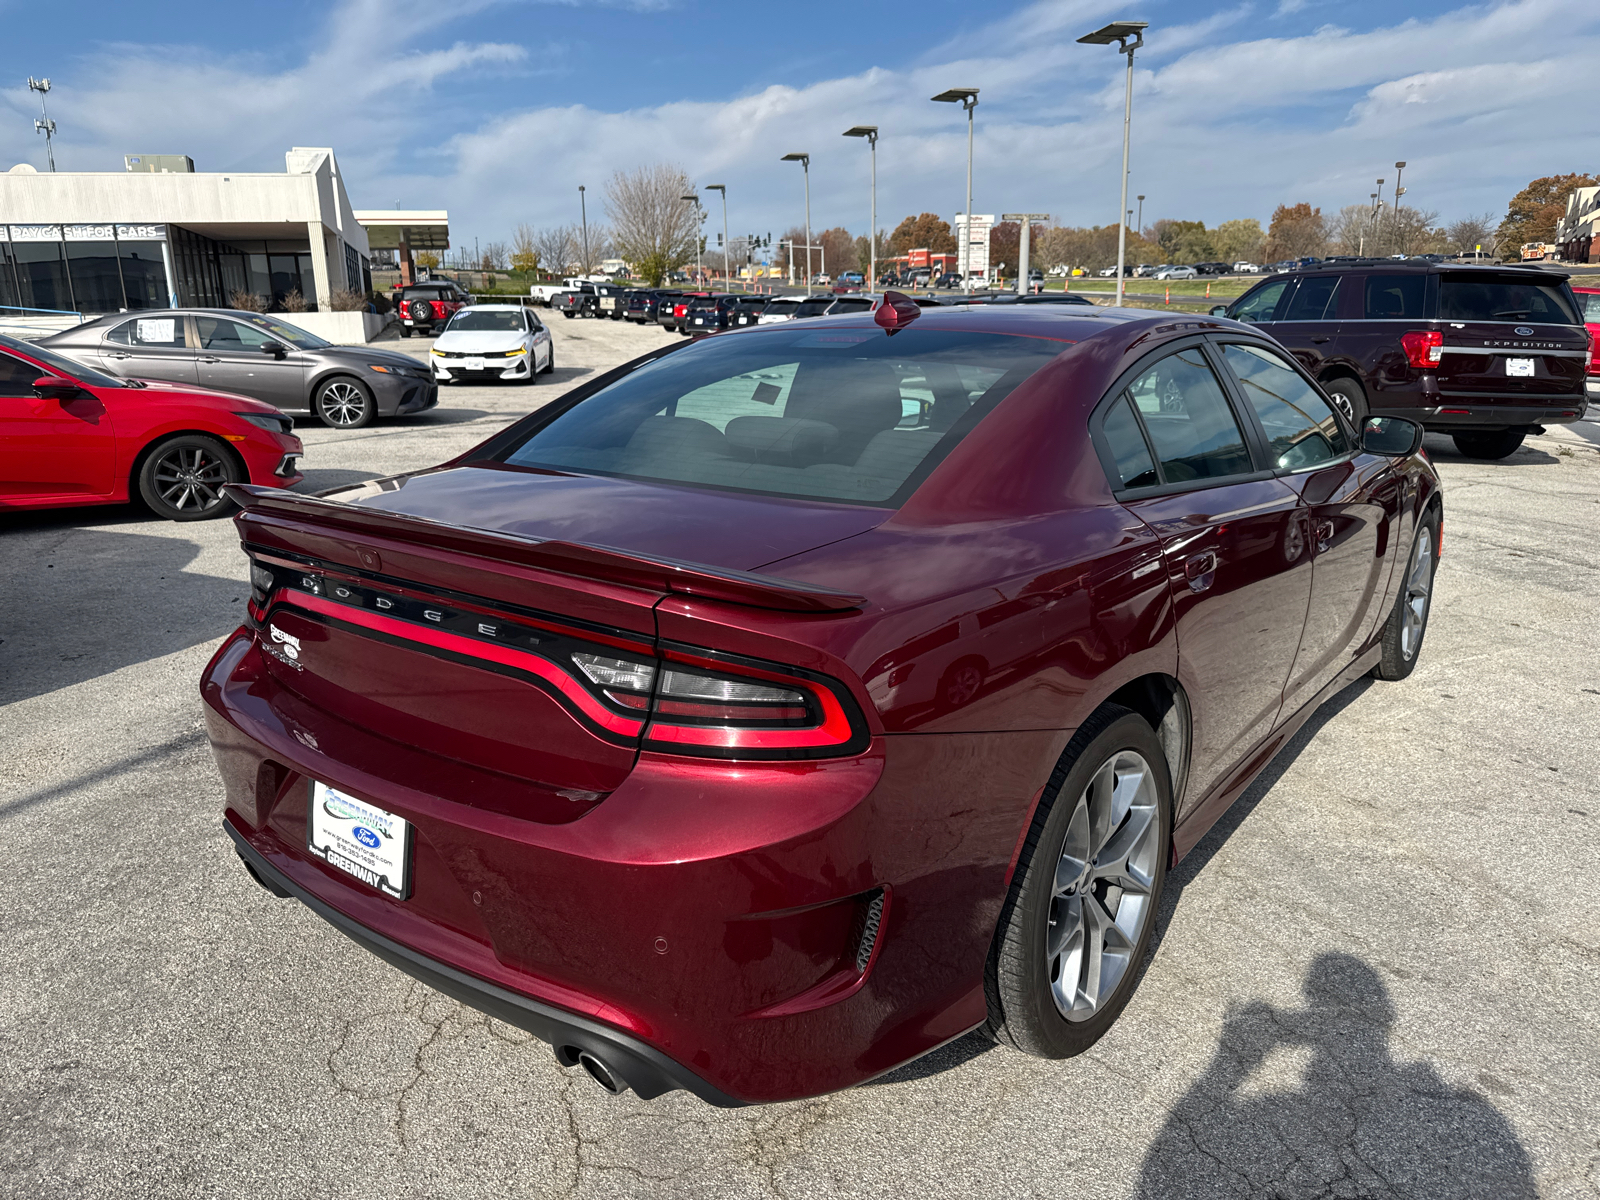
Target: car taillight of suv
x=1424 y=348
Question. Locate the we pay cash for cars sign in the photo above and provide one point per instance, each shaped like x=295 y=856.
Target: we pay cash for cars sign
x=360 y=839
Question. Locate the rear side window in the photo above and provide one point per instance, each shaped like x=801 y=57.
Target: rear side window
x=838 y=414
x=1591 y=306
x=166 y=332
x=1301 y=428
x=1395 y=297
x=1477 y=298
x=1316 y=299
x=1260 y=304
x=1191 y=426
x=1134 y=464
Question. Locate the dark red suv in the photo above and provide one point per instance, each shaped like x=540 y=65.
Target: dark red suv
x=1486 y=354
x=784 y=704
x=427 y=307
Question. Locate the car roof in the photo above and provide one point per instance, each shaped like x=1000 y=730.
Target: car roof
x=1422 y=264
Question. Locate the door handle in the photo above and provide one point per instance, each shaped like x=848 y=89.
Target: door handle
x=1201 y=570
x=1319 y=341
x=1324 y=535
x=209 y=358
x=119 y=354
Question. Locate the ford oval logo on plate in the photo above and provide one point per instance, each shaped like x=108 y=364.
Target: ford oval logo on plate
x=366 y=837
x=1524 y=331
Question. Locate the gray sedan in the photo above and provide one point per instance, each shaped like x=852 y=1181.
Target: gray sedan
x=254 y=355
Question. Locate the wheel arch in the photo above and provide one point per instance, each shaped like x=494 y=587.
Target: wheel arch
x=1161 y=700
x=161 y=439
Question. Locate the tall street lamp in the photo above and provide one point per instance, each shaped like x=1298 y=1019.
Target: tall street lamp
x=727 y=275
x=1399 y=191
x=584 y=205
x=968 y=99
x=1121 y=32
x=870 y=132
x=700 y=220
x=1139 y=225
x=805 y=165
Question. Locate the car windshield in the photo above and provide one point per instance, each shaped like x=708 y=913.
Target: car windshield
x=1476 y=298
x=486 y=320
x=839 y=414
x=292 y=334
x=62 y=365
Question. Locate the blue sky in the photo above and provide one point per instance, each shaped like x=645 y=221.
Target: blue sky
x=498 y=110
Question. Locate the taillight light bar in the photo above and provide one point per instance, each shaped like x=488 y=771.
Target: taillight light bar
x=1424 y=348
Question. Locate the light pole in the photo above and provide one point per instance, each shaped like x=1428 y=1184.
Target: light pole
x=1120 y=32
x=583 y=204
x=805 y=165
x=1026 y=220
x=699 y=238
x=968 y=99
x=870 y=132
x=1394 y=220
x=44 y=125
x=727 y=275
x=1139 y=224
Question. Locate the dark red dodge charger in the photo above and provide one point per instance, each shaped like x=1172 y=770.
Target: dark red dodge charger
x=778 y=707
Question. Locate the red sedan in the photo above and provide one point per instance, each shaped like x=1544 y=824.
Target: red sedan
x=72 y=435
x=770 y=711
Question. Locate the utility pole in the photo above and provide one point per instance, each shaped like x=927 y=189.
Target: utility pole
x=1394 y=219
x=44 y=125
x=870 y=132
x=805 y=163
x=1026 y=220
x=1139 y=224
x=583 y=206
x=968 y=99
x=727 y=274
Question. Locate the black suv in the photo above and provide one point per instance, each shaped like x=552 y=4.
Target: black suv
x=1485 y=354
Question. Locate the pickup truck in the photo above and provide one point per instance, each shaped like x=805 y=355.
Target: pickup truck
x=545 y=293
x=575 y=302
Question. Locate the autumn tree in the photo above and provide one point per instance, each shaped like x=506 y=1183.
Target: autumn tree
x=1091 y=248
x=1005 y=247
x=1183 y=241
x=838 y=251
x=525 y=250
x=1239 y=240
x=1297 y=231
x=1534 y=211
x=653 y=227
x=926 y=231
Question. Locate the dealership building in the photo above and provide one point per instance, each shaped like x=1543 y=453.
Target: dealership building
x=161 y=234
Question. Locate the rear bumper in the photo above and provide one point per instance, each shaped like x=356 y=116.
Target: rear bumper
x=643 y=1068
x=1451 y=416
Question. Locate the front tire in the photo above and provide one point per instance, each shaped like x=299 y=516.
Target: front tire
x=1075 y=930
x=182 y=479
x=1502 y=443
x=345 y=403
x=405 y=331
x=1408 y=620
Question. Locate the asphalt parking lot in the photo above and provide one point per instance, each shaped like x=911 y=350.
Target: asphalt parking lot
x=1378 y=976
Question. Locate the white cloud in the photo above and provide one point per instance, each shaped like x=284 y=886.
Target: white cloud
x=1221 y=129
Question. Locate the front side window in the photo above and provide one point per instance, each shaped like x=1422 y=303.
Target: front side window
x=59 y=364
x=164 y=332
x=1260 y=304
x=292 y=334
x=1316 y=299
x=1395 y=297
x=16 y=376
x=1301 y=428
x=846 y=415
x=1476 y=298
x=1191 y=426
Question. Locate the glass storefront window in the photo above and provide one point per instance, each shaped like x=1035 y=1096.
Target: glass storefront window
x=96 y=282
x=8 y=279
x=144 y=274
x=42 y=276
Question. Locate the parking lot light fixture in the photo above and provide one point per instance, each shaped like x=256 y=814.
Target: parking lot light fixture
x=805 y=165
x=583 y=205
x=1139 y=224
x=698 y=238
x=1129 y=36
x=870 y=132
x=968 y=99
x=727 y=275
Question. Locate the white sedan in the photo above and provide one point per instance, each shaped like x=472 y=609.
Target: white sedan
x=492 y=341
x=1246 y=268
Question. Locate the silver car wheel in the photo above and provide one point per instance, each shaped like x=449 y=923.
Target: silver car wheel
x=189 y=479
x=1100 y=899
x=1419 y=586
x=343 y=403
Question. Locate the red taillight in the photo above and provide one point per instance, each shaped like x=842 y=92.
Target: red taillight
x=1594 y=352
x=1424 y=348
x=702 y=707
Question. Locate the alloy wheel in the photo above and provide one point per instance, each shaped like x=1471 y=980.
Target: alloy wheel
x=1100 y=899
x=190 y=479
x=343 y=403
x=1419 y=586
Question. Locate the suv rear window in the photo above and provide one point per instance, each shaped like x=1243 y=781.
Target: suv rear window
x=1396 y=297
x=837 y=414
x=1476 y=298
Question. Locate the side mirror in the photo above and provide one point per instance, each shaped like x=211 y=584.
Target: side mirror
x=57 y=387
x=274 y=348
x=1219 y=310
x=1392 y=437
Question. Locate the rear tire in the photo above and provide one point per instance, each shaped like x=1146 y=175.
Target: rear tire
x=1072 y=938
x=182 y=478
x=1502 y=443
x=1408 y=620
x=1351 y=399
x=405 y=331
x=569 y=315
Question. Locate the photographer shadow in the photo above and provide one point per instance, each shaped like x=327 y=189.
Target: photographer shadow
x=1359 y=1125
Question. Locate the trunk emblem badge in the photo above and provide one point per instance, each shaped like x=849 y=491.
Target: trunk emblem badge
x=1524 y=331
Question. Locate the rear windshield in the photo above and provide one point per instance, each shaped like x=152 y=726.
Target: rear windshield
x=814 y=307
x=470 y=320
x=1474 y=298
x=836 y=414
x=780 y=306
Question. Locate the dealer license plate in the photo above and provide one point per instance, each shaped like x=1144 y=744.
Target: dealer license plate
x=361 y=840
x=1519 y=367
x=472 y=364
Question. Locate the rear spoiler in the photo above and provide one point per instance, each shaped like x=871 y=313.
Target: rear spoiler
x=272 y=506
